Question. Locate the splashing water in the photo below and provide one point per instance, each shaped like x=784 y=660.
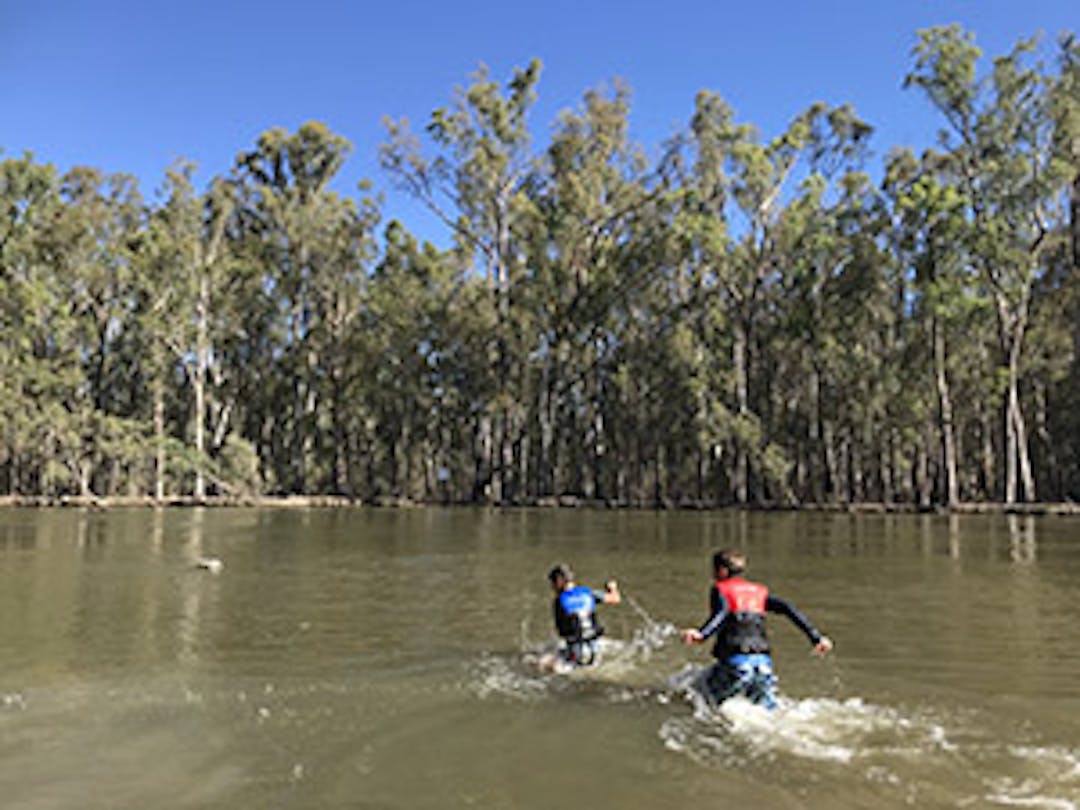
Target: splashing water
x=922 y=756
x=814 y=728
x=623 y=663
x=496 y=675
x=915 y=753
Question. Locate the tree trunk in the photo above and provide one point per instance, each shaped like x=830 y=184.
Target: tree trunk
x=341 y=443
x=1049 y=464
x=887 y=462
x=1074 y=219
x=843 y=479
x=159 y=440
x=1023 y=454
x=922 y=474
x=945 y=416
x=830 y=486
x=501 y=270
x=482 y=466
x=815 y=449
x=599 y=444
x=659 y=472
x=738 y=358
x=989 y=474
x=309 y=422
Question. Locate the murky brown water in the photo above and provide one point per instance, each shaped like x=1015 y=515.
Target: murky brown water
x=381 y=659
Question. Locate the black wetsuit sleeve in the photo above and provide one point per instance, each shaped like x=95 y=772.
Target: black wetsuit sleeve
x=562 y=621
x=719 y=613
x=774 y=604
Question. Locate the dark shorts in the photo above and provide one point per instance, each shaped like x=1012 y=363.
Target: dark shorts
x=750 y=676
x=580 y=653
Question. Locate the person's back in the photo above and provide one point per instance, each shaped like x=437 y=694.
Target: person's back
x=743 y=628
x=738 y=608
x=574 y=608
x=575 y=614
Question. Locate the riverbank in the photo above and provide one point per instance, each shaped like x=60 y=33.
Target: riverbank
x=562 y=502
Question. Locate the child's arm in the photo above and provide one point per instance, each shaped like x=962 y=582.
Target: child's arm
x=610 y=595
x=774 y=604
x=698 y=635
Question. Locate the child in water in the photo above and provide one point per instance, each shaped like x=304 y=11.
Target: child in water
x=575 y=617
x=743 y=663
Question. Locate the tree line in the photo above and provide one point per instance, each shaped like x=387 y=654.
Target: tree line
x=740 y=320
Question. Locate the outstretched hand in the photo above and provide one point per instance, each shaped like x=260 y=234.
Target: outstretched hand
x=692 y=635
x=611 y=593
x=823 y=646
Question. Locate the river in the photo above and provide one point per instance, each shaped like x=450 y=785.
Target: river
x=377 y=659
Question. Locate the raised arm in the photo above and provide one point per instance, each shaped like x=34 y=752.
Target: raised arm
x=610 y=595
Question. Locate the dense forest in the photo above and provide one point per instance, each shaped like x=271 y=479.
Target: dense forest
x=741 y=320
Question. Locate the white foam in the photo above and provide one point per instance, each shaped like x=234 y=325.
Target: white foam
x=1042 y=802
x=495 y=676
x=1058 y=767
x=821 y=729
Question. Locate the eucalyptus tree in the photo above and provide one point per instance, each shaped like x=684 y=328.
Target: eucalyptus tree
x=183 y=279
x=411 y=397
x=1065 y=110
x=475 y=183
x=88 y=245
x=31 y=306
x=824 y=387
x=931 y=216
x=286 y=211
x=999 y=138
x=346 y=251
x=816 y=270
x=591 y=197
x=699 y=161
x=733 y=223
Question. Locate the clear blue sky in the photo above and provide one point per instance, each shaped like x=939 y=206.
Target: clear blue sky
x=131 y=86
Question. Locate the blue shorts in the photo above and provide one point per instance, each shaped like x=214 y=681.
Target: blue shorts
x=749 y=675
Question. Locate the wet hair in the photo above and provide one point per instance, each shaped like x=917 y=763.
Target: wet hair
x=560 y=571
x=734 y=561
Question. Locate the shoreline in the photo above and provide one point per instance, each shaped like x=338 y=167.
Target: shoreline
x=562 y=502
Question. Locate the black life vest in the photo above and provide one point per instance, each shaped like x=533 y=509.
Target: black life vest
x=575 y=614
x=743 y=631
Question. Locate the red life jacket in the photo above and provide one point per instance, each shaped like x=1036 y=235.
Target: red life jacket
x=742 y=595
x=743 y=631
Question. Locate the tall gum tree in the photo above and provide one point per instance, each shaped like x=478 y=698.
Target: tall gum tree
x=999 y=139
x=90 y=245
x=475 y=183
x=739 y=203
x=31 y=320
x=286 y=207
x=590 y=193
x=183 y=281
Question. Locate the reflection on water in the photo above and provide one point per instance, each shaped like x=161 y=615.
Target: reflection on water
x=387 y=659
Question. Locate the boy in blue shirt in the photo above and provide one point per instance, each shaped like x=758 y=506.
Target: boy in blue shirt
x=574 y=608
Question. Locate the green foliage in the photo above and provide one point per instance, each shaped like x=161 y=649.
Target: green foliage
x=749 y=317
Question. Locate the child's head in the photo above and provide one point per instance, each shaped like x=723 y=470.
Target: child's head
x=728 y=562
x=559 y=576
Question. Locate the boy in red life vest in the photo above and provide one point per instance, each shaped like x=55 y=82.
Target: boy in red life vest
x=743 y=664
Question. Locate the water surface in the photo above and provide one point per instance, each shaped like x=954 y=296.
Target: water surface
x=383 y=659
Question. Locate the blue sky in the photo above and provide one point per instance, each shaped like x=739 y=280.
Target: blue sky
x=130 y=87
